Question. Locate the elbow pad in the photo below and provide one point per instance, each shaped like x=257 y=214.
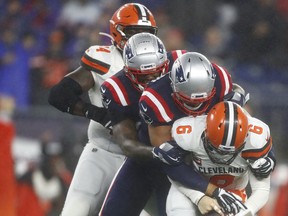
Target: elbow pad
x=65 y=95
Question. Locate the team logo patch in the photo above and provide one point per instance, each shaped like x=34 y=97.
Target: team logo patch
x=128 y=52
x=180 y=78
x=160 y=47
x=146 y=118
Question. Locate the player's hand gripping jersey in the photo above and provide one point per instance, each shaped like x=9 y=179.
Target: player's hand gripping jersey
x=189 y=133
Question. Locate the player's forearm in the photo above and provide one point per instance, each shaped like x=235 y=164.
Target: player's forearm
x=187 y=176
x=125 y=134
x=137 y=150
x=260 y=193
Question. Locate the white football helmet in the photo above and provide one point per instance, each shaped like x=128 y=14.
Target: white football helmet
x=192 y=79
x=145 y=59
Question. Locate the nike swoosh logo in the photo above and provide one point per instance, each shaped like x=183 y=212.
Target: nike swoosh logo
x=173 y=159
x=143 y=107
x=103 y=90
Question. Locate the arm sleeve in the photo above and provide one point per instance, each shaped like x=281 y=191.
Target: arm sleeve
x=187 y=176
x=260 y=193
x=193 y=195
x=65 y=95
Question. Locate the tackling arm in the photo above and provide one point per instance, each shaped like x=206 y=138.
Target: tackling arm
x=159 y=134
x=125 y=134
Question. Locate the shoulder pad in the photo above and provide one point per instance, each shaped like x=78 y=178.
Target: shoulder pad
x=101 y=58
x=258 y=141
x=187 y=131
x=223 y=81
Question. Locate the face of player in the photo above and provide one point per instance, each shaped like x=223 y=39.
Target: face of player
x=219 y=156
x=129 y=31
x=146 y=78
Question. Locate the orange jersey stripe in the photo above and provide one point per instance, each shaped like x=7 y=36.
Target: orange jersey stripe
x=257 y=153
x=99 y=68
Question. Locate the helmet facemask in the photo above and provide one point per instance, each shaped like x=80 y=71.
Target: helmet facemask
x=128 y=31
x=141 y=77
x=193 y=106
x=222 y=154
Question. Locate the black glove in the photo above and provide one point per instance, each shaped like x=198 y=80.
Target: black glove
x=169 y=153
x=228 y=202
x=98 y=114
x=262 y=167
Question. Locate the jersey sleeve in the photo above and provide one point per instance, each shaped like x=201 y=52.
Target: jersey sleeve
x=223 y=82
x=96 y=58
x=115 y=99
x=187 y=132
x=173 y=55
x=259 y=141
x=153 y=108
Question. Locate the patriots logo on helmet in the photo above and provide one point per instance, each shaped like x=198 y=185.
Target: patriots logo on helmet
x=128 y=52
x=160 y=47
x=180 y=78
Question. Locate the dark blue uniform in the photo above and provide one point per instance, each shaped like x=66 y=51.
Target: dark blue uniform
x=136 y=180
x=157 y=107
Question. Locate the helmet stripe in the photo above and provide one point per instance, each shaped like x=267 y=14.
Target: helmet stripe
x=235 y=124
x=230 y=124
x=142 y=13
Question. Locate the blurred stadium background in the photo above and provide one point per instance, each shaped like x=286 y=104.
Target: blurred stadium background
x=42 y=40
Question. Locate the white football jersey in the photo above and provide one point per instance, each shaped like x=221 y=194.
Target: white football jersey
x=103 y=62
x=187 y=133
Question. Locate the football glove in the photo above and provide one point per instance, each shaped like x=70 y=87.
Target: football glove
x=228 y=202
x=262 y=167
x=169 y=153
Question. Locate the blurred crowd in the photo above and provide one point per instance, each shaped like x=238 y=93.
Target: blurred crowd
x=43 y=40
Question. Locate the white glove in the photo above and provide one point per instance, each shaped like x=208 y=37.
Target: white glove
x=228 y=202
x=262 y=167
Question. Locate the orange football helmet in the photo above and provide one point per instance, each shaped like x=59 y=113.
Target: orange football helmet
x=227 y=128
x=130 y=19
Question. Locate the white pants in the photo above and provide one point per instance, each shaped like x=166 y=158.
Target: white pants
x=178 y=204
x=94 y=172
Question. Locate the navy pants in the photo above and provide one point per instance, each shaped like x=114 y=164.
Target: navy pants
x=133 y=186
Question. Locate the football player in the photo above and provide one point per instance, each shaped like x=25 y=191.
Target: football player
x=192 y=87
x=101 y=157
x=145 y=59
x=224 y=145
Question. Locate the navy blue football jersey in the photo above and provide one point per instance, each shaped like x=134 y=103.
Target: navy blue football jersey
x=157 y=106
x=121 y=98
